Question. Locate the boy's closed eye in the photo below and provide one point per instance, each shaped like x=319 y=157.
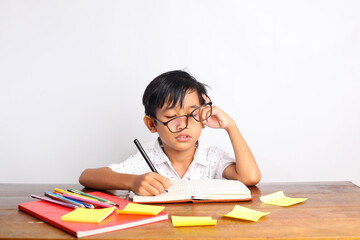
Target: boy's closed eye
x=174 y=116
x=169 y=113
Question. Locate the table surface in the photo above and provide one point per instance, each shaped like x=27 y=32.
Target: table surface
x=332 y=211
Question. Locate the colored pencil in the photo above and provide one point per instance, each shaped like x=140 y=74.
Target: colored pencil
x=95 y=202
x=91 y=196
x=61 y=191
x=68 y=205
x=59 y=197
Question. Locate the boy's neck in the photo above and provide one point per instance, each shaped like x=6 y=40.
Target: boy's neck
x=180 y=160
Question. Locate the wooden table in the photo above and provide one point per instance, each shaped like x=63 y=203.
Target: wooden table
x=332 y=211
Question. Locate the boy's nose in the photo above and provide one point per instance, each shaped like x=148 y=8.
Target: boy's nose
x=182 y=123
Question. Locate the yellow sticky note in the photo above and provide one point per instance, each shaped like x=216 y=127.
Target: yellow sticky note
x=141 y=209
x=245 y=213
x=185 y=221
x=87 y=215
x=279 y=199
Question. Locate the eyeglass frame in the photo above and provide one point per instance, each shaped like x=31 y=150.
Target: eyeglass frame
x=187 y=117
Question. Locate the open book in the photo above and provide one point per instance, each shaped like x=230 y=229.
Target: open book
x=201 y=190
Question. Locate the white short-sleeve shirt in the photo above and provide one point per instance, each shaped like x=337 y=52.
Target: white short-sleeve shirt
x=209 y=163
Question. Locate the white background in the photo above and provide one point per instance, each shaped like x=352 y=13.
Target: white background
x=72 y=75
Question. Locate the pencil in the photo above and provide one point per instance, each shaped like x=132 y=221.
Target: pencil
x=91 y=196
x=146 y=157
x=58 y=197
x=68 y=205
x=95 y=202
x=58 y=190
x=61 y=191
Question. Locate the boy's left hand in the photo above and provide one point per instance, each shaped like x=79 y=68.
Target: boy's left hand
x=218 y=119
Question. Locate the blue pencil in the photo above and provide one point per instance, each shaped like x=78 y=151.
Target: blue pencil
x=68 y=205
x=64 y=199
x=82 y=204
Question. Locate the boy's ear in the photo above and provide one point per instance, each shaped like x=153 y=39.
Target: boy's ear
x=150 y=123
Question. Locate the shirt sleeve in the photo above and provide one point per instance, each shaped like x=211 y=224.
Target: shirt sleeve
x=135 y=164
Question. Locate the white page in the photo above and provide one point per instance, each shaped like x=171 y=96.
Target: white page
x=179 y=190
x=200 y=189
x=219 y=187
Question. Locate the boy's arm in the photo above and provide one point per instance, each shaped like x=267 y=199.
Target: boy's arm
x=245 y=169
x=106 y=179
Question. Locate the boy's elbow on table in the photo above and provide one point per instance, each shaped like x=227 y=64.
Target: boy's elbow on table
x=83 y=177
x=252 y=179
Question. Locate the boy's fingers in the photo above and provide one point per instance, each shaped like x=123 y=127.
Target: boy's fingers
x=163 y=181
x=206 y=98
x=153 y=190
x=144 y=192
x=152 y=184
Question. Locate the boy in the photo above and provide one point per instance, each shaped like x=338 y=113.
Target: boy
x=177 y=108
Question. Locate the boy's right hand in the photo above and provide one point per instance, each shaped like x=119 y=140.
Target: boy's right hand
x=150 y=184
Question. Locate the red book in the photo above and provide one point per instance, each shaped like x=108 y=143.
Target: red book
x=51 y=213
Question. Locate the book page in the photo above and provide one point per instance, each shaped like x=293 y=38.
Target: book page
x=218 y=189
x=178 y=191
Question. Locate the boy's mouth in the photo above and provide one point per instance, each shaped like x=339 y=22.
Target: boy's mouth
x=183 y=137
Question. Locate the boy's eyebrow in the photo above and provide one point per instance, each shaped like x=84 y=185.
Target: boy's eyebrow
x=194 y=106
x=166 y=109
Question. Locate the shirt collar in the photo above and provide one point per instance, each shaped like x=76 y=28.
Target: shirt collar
x=162 y=156
x=199 y=156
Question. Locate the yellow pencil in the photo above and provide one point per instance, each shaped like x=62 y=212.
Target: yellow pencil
x=71 y=193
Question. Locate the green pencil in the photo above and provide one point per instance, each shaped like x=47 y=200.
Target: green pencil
x=91 y=196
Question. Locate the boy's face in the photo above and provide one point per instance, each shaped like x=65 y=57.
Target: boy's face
x=187 y=138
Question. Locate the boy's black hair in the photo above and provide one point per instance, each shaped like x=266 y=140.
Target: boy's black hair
x=171 y=87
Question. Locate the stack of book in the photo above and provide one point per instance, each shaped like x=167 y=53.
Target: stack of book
x=63 y=214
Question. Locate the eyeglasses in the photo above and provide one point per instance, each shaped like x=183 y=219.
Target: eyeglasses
x=179 y=123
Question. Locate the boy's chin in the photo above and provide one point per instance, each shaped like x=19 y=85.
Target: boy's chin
x=182 y=145
x=185 y=145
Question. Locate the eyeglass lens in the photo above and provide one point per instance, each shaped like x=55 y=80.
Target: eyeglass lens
x=200 y=114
